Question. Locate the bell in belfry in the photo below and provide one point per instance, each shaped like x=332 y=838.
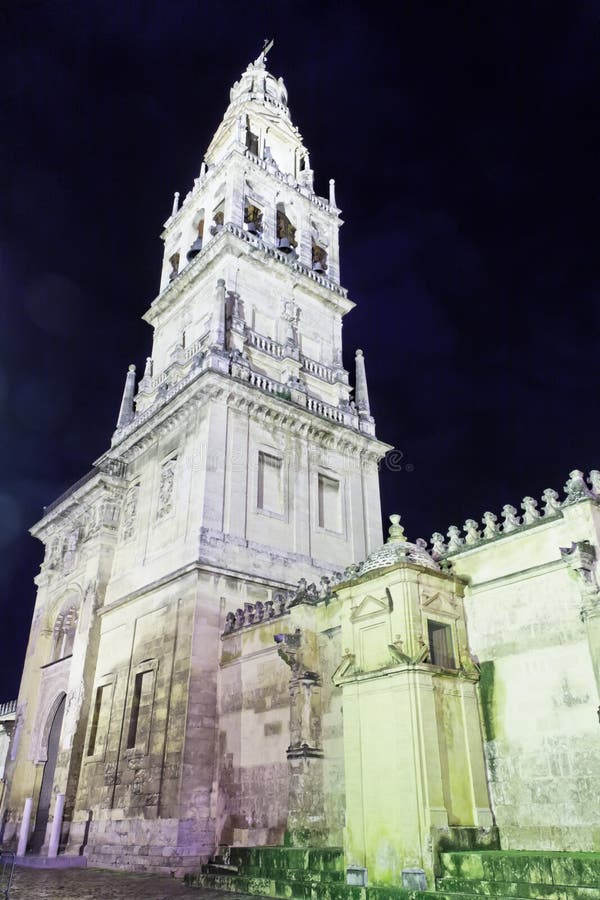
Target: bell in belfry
x=194 y=249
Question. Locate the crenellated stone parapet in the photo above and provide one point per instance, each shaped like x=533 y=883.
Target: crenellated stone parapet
x=576 y=489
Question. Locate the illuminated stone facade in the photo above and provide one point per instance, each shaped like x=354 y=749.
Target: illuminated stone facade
x=223 y=652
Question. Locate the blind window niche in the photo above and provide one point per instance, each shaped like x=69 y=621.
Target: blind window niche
x=270 y=495
x=141 y=709
x=100 y=720
x=329 y=503
x=441 y=650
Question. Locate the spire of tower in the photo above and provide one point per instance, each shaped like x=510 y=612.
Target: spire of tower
x=126 y=411
x=361 y=393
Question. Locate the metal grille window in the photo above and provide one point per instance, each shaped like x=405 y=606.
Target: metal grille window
x=441 y=650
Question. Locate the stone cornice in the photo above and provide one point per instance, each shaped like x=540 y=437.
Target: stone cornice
x=206 y=384
x=183 y=572
x=77 y=501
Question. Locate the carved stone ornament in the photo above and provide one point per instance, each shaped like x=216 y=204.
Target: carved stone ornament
x=580 y=559
x=438 y=545
x=511 y=520
x=491 y=527
x=129 y=512
x=71 y=549
x=576 y=489
x=551 y=503
x=530 y=511
x=595 y=483
x=472 y=535
x=165 y=490
x=455 y=541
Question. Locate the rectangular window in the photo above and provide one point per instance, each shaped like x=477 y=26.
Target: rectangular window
x=329 y=503
x=141 y=707
x=270 y=483
x=95 y=720
x=440 y=645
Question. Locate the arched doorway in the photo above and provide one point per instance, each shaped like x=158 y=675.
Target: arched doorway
x=41 y=818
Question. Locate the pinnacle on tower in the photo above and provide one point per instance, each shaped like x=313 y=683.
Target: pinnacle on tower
x=126 y=412
x=361 y=391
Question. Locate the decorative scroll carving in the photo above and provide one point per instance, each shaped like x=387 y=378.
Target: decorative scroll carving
x=130 y=512
x=165 y=489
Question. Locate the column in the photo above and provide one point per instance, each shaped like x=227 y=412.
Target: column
x=59 y=807
x=24 y=832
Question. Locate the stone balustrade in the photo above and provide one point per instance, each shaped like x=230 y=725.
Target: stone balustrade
x=266 y=344
x=324 y=409
x=317 y=369
x=8 y=708
x=577 y=488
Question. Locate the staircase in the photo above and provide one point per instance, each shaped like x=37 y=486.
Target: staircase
x=519 y=875
x=320 y=874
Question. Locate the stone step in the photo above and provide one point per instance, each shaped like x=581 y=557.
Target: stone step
x=291 y=875
x=278 y=859
x=513 y=889
x=267 y=887
x=546 y=868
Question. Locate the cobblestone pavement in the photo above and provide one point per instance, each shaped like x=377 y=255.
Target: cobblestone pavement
x=104 y=884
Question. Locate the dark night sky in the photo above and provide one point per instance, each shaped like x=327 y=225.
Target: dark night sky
x=464 y=144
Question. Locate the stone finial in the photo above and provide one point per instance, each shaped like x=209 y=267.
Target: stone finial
x=455 y=541
x=491 y=527
x=530 y=511
x=203 y=169
x=472 y=532
x=551 y=503
x=396 y=531
x=576 y=489
x=361 y=394
x=148 y=368
x=594 y=479
x=175 y=203
x=438 y=546
x=126 y=412
x=332 y=192
x=511 y=519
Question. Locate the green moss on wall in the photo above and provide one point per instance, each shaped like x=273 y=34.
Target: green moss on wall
x=487 y=689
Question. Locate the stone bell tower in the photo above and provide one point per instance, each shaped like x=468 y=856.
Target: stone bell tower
x=239 y=465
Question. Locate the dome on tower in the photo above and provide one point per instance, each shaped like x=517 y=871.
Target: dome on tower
x=256 y=83
x=395 y=550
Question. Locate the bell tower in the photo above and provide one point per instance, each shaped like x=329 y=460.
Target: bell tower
x=239 y=465
x=250 y=303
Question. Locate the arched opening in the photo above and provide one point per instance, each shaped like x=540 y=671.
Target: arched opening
x=43 y=807
x=286 y=232
x=253 y=218
x=64 y=632
x=198 y=225
x=319 y=258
